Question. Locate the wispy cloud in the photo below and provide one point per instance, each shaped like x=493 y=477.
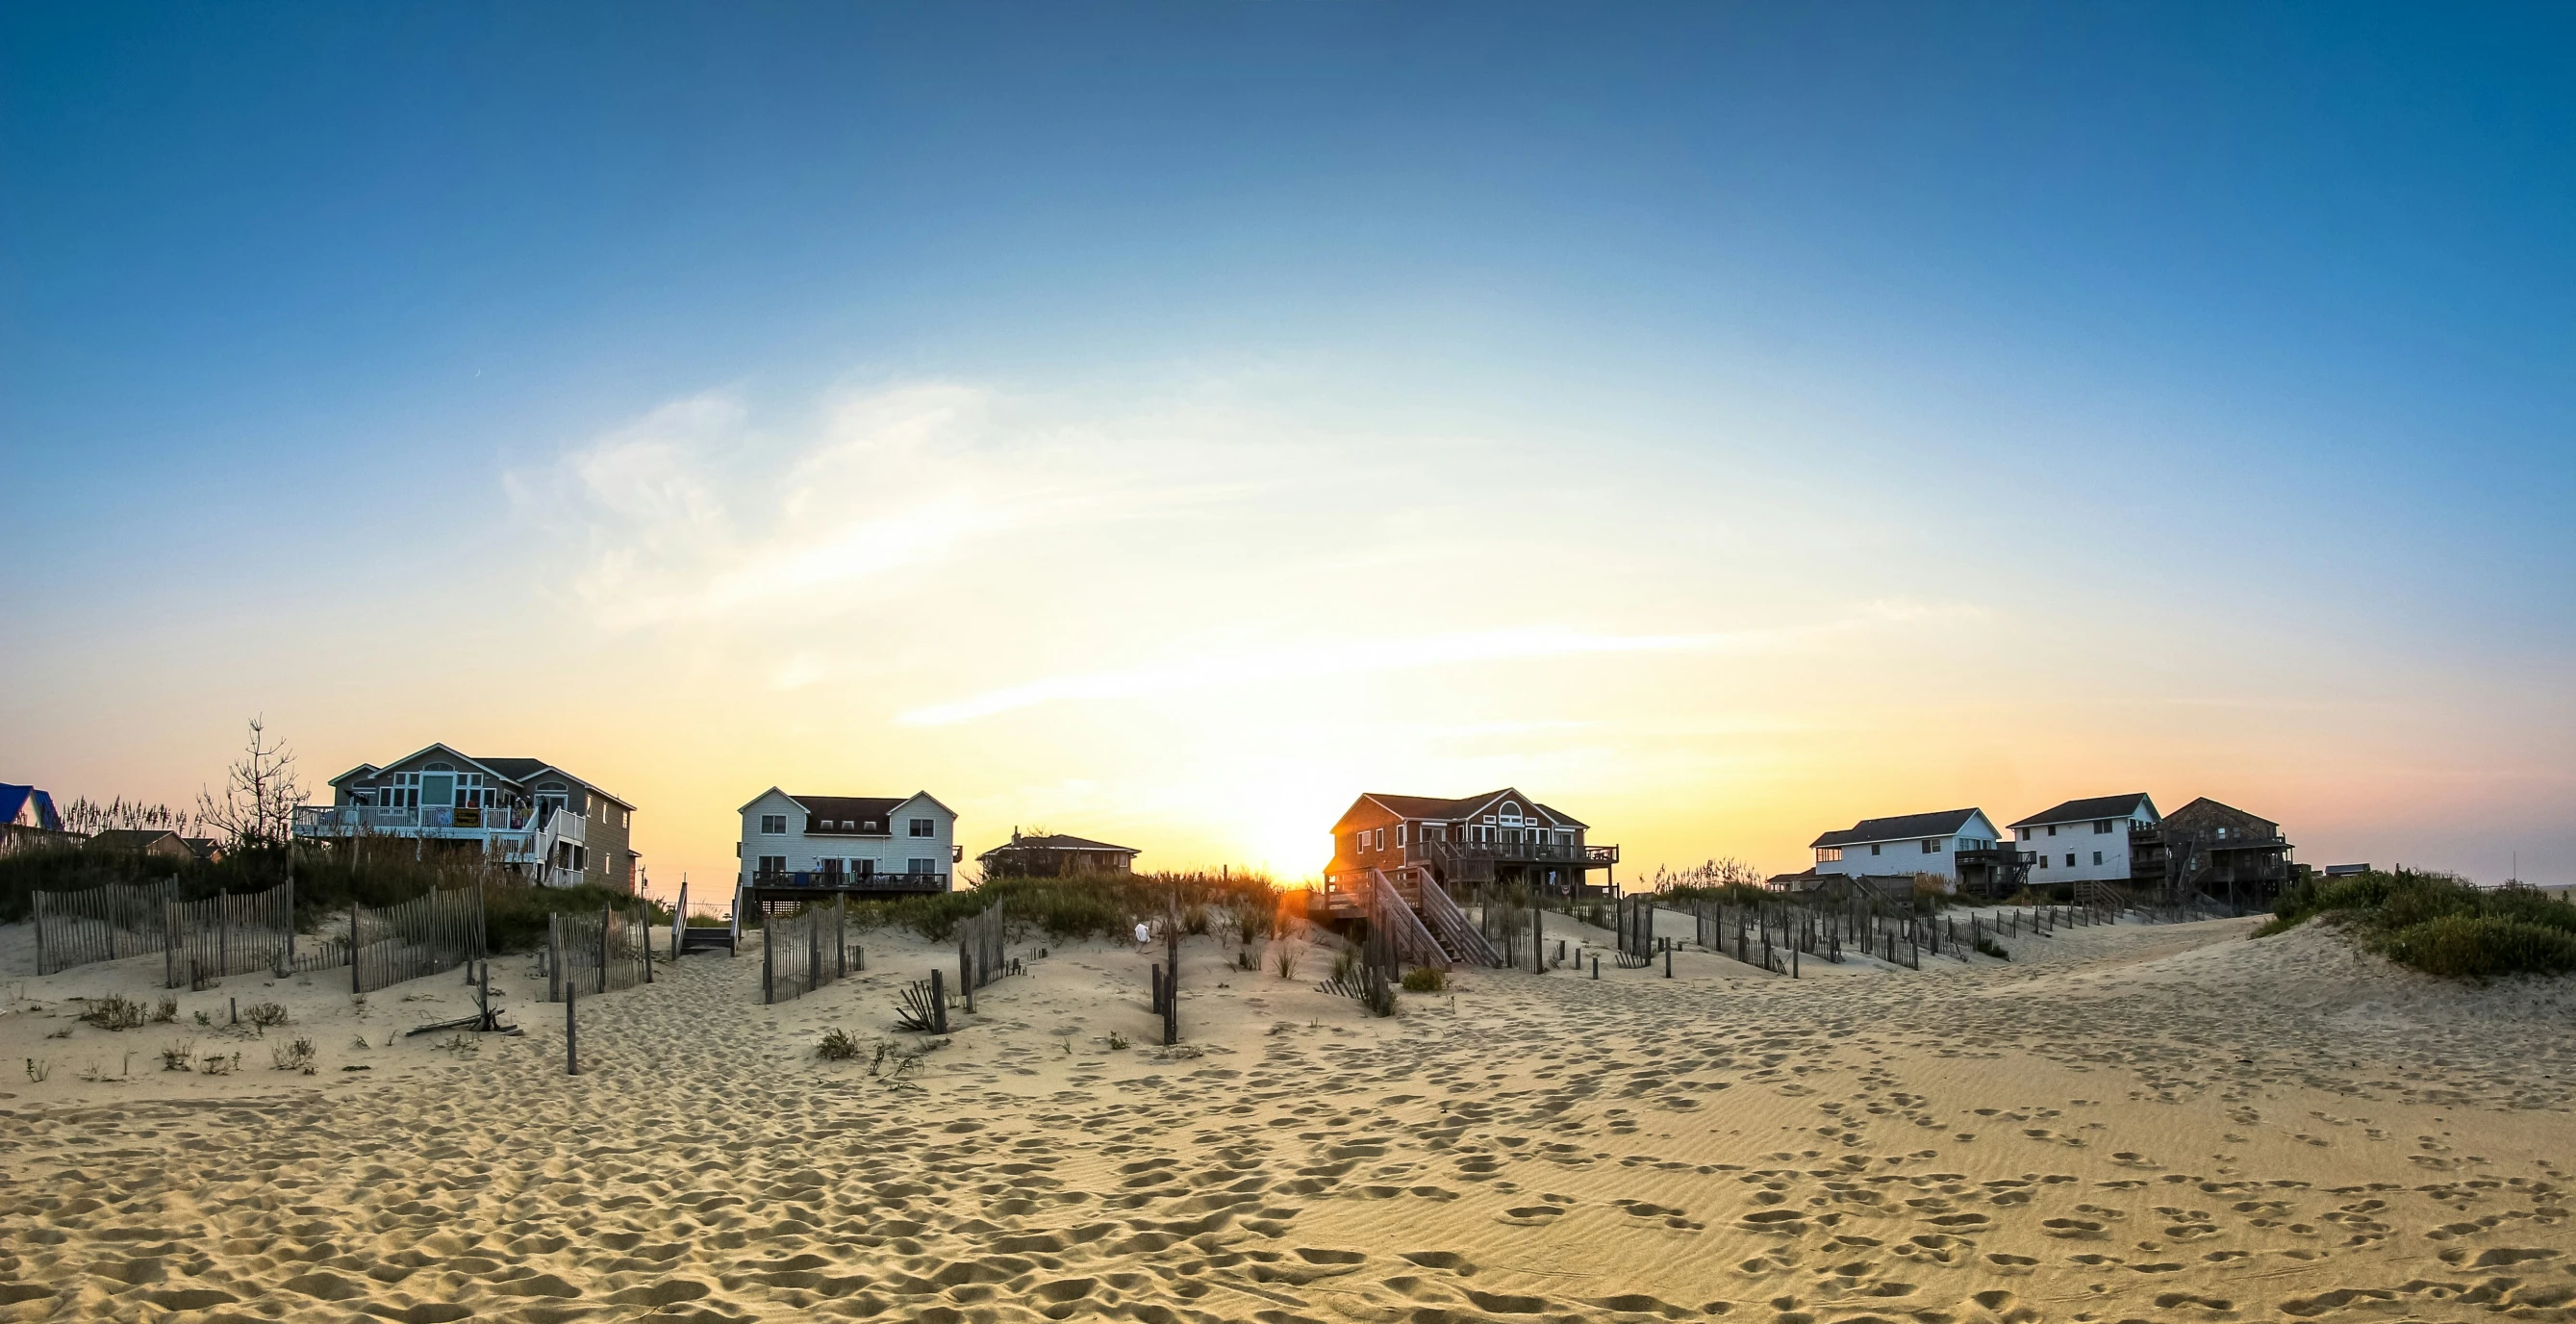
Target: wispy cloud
x=693 y=514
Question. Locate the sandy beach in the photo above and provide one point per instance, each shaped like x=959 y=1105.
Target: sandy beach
x=2135 y=1122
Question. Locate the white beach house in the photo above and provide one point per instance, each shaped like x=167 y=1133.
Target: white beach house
x=2085 y=841
x=847 y=843
x=1906 y=844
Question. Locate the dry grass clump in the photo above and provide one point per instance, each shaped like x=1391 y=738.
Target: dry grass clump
x=2440 y=923
x=297 y=1056
x=837 y=1046
x=263 y=1016
x=115 y=1012
x=1425 y=979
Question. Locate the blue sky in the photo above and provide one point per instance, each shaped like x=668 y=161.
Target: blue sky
x=323 y=331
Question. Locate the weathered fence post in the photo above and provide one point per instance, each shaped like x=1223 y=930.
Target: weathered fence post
x=357 y=977
x=769 y=969
x=572 y=1054
x=938 y=1003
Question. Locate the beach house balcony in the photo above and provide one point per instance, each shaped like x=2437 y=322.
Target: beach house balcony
x=547 y=842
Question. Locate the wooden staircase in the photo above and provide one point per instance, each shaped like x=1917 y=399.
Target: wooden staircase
x=1428 y=926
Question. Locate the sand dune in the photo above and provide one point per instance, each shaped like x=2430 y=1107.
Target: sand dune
x=2134 y=1122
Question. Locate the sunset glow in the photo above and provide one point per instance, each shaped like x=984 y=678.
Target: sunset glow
x=1167 y=451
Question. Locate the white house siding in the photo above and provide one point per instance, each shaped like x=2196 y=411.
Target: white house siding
x=2054 y=844
x=805 y=854
x=1906 y=854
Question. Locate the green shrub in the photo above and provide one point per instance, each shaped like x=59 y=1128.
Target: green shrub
x=1089 y=906
x=2481 y=946
x=1425 y=979
x=2439 y=923
x=837 y=1046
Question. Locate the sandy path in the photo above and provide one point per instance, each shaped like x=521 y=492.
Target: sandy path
x=2124 y=1123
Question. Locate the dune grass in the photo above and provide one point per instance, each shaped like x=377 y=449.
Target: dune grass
x=1242 y=904
x=326 y=881
x=2439 y=923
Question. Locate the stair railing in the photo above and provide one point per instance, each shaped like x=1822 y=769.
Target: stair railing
x=1413 y=942
x=1453 y=926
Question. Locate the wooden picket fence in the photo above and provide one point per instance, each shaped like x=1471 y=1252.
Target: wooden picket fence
x=598 y=953
x=104 y=923
x=229 y=935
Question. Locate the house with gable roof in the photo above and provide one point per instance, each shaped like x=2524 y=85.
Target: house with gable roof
x=1959 y=845
x=528 y=815
x=2091 y=840
x=798 y=847
x=28 y=821
x=1501 y=836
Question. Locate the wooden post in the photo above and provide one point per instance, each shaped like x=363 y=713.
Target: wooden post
x=357 y=979
x=938 y=1003
x=572 y=1054
x=769 y=970
x=966 y=974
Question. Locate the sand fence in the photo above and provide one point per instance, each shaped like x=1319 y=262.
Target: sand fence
x=807 y=950
x=435 y=931
x=229 y=935
x=105 y=923
x=597 y=952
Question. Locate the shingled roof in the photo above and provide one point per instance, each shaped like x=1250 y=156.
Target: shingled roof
x=1057 y=841
x=1901 y=827
x=2089 y=810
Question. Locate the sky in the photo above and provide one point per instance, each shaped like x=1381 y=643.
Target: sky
x=1163 y=423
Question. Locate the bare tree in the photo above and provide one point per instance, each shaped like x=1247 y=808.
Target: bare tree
x=260 y=797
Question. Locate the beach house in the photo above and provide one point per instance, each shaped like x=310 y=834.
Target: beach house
x=527 y=815
x=1501 y=836
x=2218 y=851
x=1055 y=855
x=797 y=847
x=28 y=821
x=2089 y=840
x=1959 y=846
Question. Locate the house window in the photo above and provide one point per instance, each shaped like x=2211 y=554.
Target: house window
x=2070 y=859
x=1399 y=836
x=2097 y=857
x=2101 y=825
x=862 y=868
x=919 y=827
x=2222 y=834
x=773 y=825
x=1873 y=849
x=1932 y=847
x=2052 y=829
x=2039 y=861
x=773 y=865
x=1828 y=854
x=831 y=868
x=921 y=866
x=1381 y=838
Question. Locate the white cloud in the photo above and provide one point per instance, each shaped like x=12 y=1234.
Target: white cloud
x=693 y=516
